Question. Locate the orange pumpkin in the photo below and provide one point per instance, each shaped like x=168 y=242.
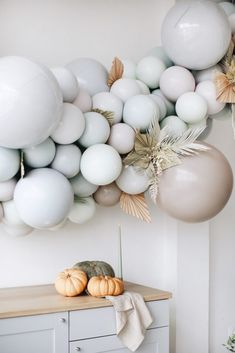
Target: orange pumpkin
x=71 y=282
x=100 y=286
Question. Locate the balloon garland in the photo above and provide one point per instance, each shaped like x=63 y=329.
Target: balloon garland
x=76 y=136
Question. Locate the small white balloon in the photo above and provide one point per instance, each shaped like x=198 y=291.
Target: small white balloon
x=143 y=87
x=170 y=107
x=11 y=214
x=191 y=107
x=67 y=160
x=97 y=129
x=43 y=198
x=83 y=101
x=227 y=7
x=71 y=126
x=122 y=138
x=161 y=105
x=67 y=82
x=160 y=53
x=175 y=126
x=207 y=90
x=224 y=114
x=108 y=102
x=129 y=68
x=7 y=189
x=207 y=74
x=139 y=111
x=175 y=81
x=124 y=88
x=132 y=181
x=40 y=155
x=149 y=70
x=82 y=212
x=17 y=231
x=82 y=187
x=101 y=164
x=9 y=163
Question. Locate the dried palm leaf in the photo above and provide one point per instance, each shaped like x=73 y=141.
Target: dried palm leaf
x=225 y=85
x=116 y=71
x=135 y=205
x=22 y=169
x=227 y=59
x=106 y=114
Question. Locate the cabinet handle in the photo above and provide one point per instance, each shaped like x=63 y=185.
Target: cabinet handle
x=62 y=319
x=77 y=349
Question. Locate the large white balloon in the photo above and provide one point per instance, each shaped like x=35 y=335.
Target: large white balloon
x=82 y=187
x=97 y=129
x=7 y=189
x=30 y=102
x=132 y=181
x=196 y=34
x=71 y=126
x=101 y=164
x=124 y=88
x=9 y=163
x=43 y=198
x=41 y=155
x=191 y=107
x=109 y=102
x=122 y=138
x=67 y=160
x=82 y=211
x=67 y=82
x=149 y=70
x=207 y=90
x=91 y=75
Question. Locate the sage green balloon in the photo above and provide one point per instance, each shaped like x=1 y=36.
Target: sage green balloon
x=198 y=189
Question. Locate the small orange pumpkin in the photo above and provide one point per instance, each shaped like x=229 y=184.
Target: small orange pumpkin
x=71 y=282
x=100 y=286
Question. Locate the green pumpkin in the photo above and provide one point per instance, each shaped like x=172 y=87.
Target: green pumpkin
x=95 y=268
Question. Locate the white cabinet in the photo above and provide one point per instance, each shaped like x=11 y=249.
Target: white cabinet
x=46 y=333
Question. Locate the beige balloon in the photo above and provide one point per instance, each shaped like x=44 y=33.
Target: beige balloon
x=197 y=189
x=107 y=195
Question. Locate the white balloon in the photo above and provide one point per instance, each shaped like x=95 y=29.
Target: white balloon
x=139 y=111
x=143 y=87
x=9 y=163
x=101 y=164
x=30 y=102
x=67 y=160
x=175 y=81
x=149 y=70
x=82 y=187
x=124 y=88
x=43 y=198
x=67 y=82
x=227 y=7
x=122 y=138
x=161 y=105
x=71 y=126
x=40 y=155
x=82 y=212
x=231 y=19
x=97 y=129
x=18 y=231
x=91 y=75
x=175 y=126
x=207 y=74
x=224 y=114
x=160 y=53
x=83 y=101
x=129 y=68
x=196 y=34
x=108 y=102
x=11 y=214
x=132 y=181
x=7 y=189
x=207 y=90
x=169 y=105
x=191 y=107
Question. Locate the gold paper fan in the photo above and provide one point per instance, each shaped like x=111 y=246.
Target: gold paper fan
x=116 y=71
x=135 y=205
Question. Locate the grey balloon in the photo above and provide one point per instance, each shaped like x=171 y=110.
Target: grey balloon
x=197 y=189
x=107 y=195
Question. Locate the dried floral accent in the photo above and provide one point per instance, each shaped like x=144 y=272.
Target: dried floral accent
x=106 y=114
x=22 y=169
x=135 y=205
x=80 y=199
x=116 y=71
x=227 y=59
x=156 y=151
x=225 y=84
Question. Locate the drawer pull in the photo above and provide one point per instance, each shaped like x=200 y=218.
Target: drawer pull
x=78 y=349
x=62 y=319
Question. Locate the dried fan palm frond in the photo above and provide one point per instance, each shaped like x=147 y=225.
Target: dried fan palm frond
x=116 y=71
x=225 y=85
x=135 y=205
x=227 y=59
x=22 y=169
x=106 y=114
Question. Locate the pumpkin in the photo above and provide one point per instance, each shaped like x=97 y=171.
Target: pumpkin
x=95 y=268
x=71 y=282
x=100 y=286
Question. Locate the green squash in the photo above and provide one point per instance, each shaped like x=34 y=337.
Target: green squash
x=95 y=268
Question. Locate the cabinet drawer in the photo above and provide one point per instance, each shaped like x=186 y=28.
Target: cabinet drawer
x=156 y=341
x=102 y=321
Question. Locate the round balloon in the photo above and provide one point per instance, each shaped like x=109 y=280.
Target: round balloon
x=9 y=163
x=7 y=189
x=122 y=138
x=101 y=164
x=82 y=211
x=143 y=87
x=11 y=214
x=160 y=53
x=207 y=90
x=207 y=74
x=175 y=126
x=149 y=70
x=82 y=187
x=108 y=102
x=30 y=102
x=83 y=101
x=17 y=231
x=125 y=88
x=91 y=75
x=197 y=189
x=107 y=195
x=71 y=126
x=191 y=27
x=170 y=107
x=191 y=107
x=132 y=181
x=67 y=82
x=40 y=155
x=159 y=101
x=67 y=160
x=43 y=198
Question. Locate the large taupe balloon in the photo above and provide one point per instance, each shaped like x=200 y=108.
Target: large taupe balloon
x=107 y=195
x=197 y=189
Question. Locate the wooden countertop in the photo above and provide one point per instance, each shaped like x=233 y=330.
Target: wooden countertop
x=43 y=299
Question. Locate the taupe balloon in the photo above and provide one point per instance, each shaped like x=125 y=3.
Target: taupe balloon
x=197 y=189
x=107 y=195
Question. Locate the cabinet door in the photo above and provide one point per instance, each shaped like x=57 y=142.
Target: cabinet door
x=156 y=341
x=35 y=334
